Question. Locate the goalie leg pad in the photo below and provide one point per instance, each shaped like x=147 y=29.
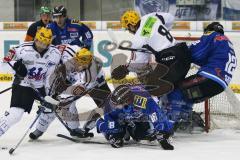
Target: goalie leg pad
x=197 y=88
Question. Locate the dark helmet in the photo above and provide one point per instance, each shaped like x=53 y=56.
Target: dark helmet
x=214 y=26
x=59 y=11
x=122 y=95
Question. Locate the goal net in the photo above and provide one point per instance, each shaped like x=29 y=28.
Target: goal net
x=220 y=111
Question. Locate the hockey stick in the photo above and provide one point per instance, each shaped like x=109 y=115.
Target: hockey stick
x=41 y=109
x=5 y=90
x=120 y=45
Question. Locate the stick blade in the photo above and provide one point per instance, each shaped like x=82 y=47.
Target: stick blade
x=11 y=151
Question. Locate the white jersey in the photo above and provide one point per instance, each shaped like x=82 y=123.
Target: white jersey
x=86 y=77
x=38 y=66
x=153 y=34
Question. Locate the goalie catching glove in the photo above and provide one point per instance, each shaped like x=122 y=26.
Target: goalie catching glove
x=120 y=72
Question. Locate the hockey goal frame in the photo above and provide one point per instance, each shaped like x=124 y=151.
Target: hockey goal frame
x=208 y=105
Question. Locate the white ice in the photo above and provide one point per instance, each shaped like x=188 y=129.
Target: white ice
x=218 y=144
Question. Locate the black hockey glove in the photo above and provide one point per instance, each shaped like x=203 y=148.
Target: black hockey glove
x=116 y=141
x=163 y=139
x=120 y=72
x=20 y=68
x=48 y=107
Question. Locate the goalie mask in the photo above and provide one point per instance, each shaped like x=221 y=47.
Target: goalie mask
x=122 y=95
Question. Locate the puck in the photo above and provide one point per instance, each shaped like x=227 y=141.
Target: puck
x=4 y=148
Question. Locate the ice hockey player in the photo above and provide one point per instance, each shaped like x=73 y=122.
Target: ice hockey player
x=82 y=71
x=33 y=62
x=152 y=33
x=214 y=72
x=134 y=111
x=69 y=31
x=45 y=15
x=215 y=56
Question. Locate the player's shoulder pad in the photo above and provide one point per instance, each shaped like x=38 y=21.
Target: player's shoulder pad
x=208 y=33
x=54 y=49
x=51 y=25
x=75 y=22
x=25 y=44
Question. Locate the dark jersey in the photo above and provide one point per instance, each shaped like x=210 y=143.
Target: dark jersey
x=143 y=108
x=73 y=33
x=31 y=32
x=215 y=55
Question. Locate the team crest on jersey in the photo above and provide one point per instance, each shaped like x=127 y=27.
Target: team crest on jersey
x=28 y=62
x=140 y=101
x=36 y=73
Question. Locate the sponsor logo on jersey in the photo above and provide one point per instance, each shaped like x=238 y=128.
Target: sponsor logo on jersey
x=74 y=35
x=148 y=26
x=67 y=41
x=40 y=63
x=140 y=101
x=50 y=63
x=27 y=62
x=221 y=38
x=169 y=58
x=28 y=50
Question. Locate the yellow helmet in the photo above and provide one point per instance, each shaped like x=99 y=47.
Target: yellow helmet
x=83 y=56
x=44 y=35
x=129 y=17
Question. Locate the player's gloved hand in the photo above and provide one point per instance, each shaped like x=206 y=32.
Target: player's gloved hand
x=163 y=140
x=20 y=68
x=50 y=104
x=11 y=53
x=100 y=80
x=115 y=140
x=120 y=72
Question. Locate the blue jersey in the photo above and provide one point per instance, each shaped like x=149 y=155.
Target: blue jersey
x=73 y=33
x=215 y=55
x=143 y=107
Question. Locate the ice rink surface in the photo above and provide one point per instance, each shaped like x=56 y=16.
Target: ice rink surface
x=217 y=145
